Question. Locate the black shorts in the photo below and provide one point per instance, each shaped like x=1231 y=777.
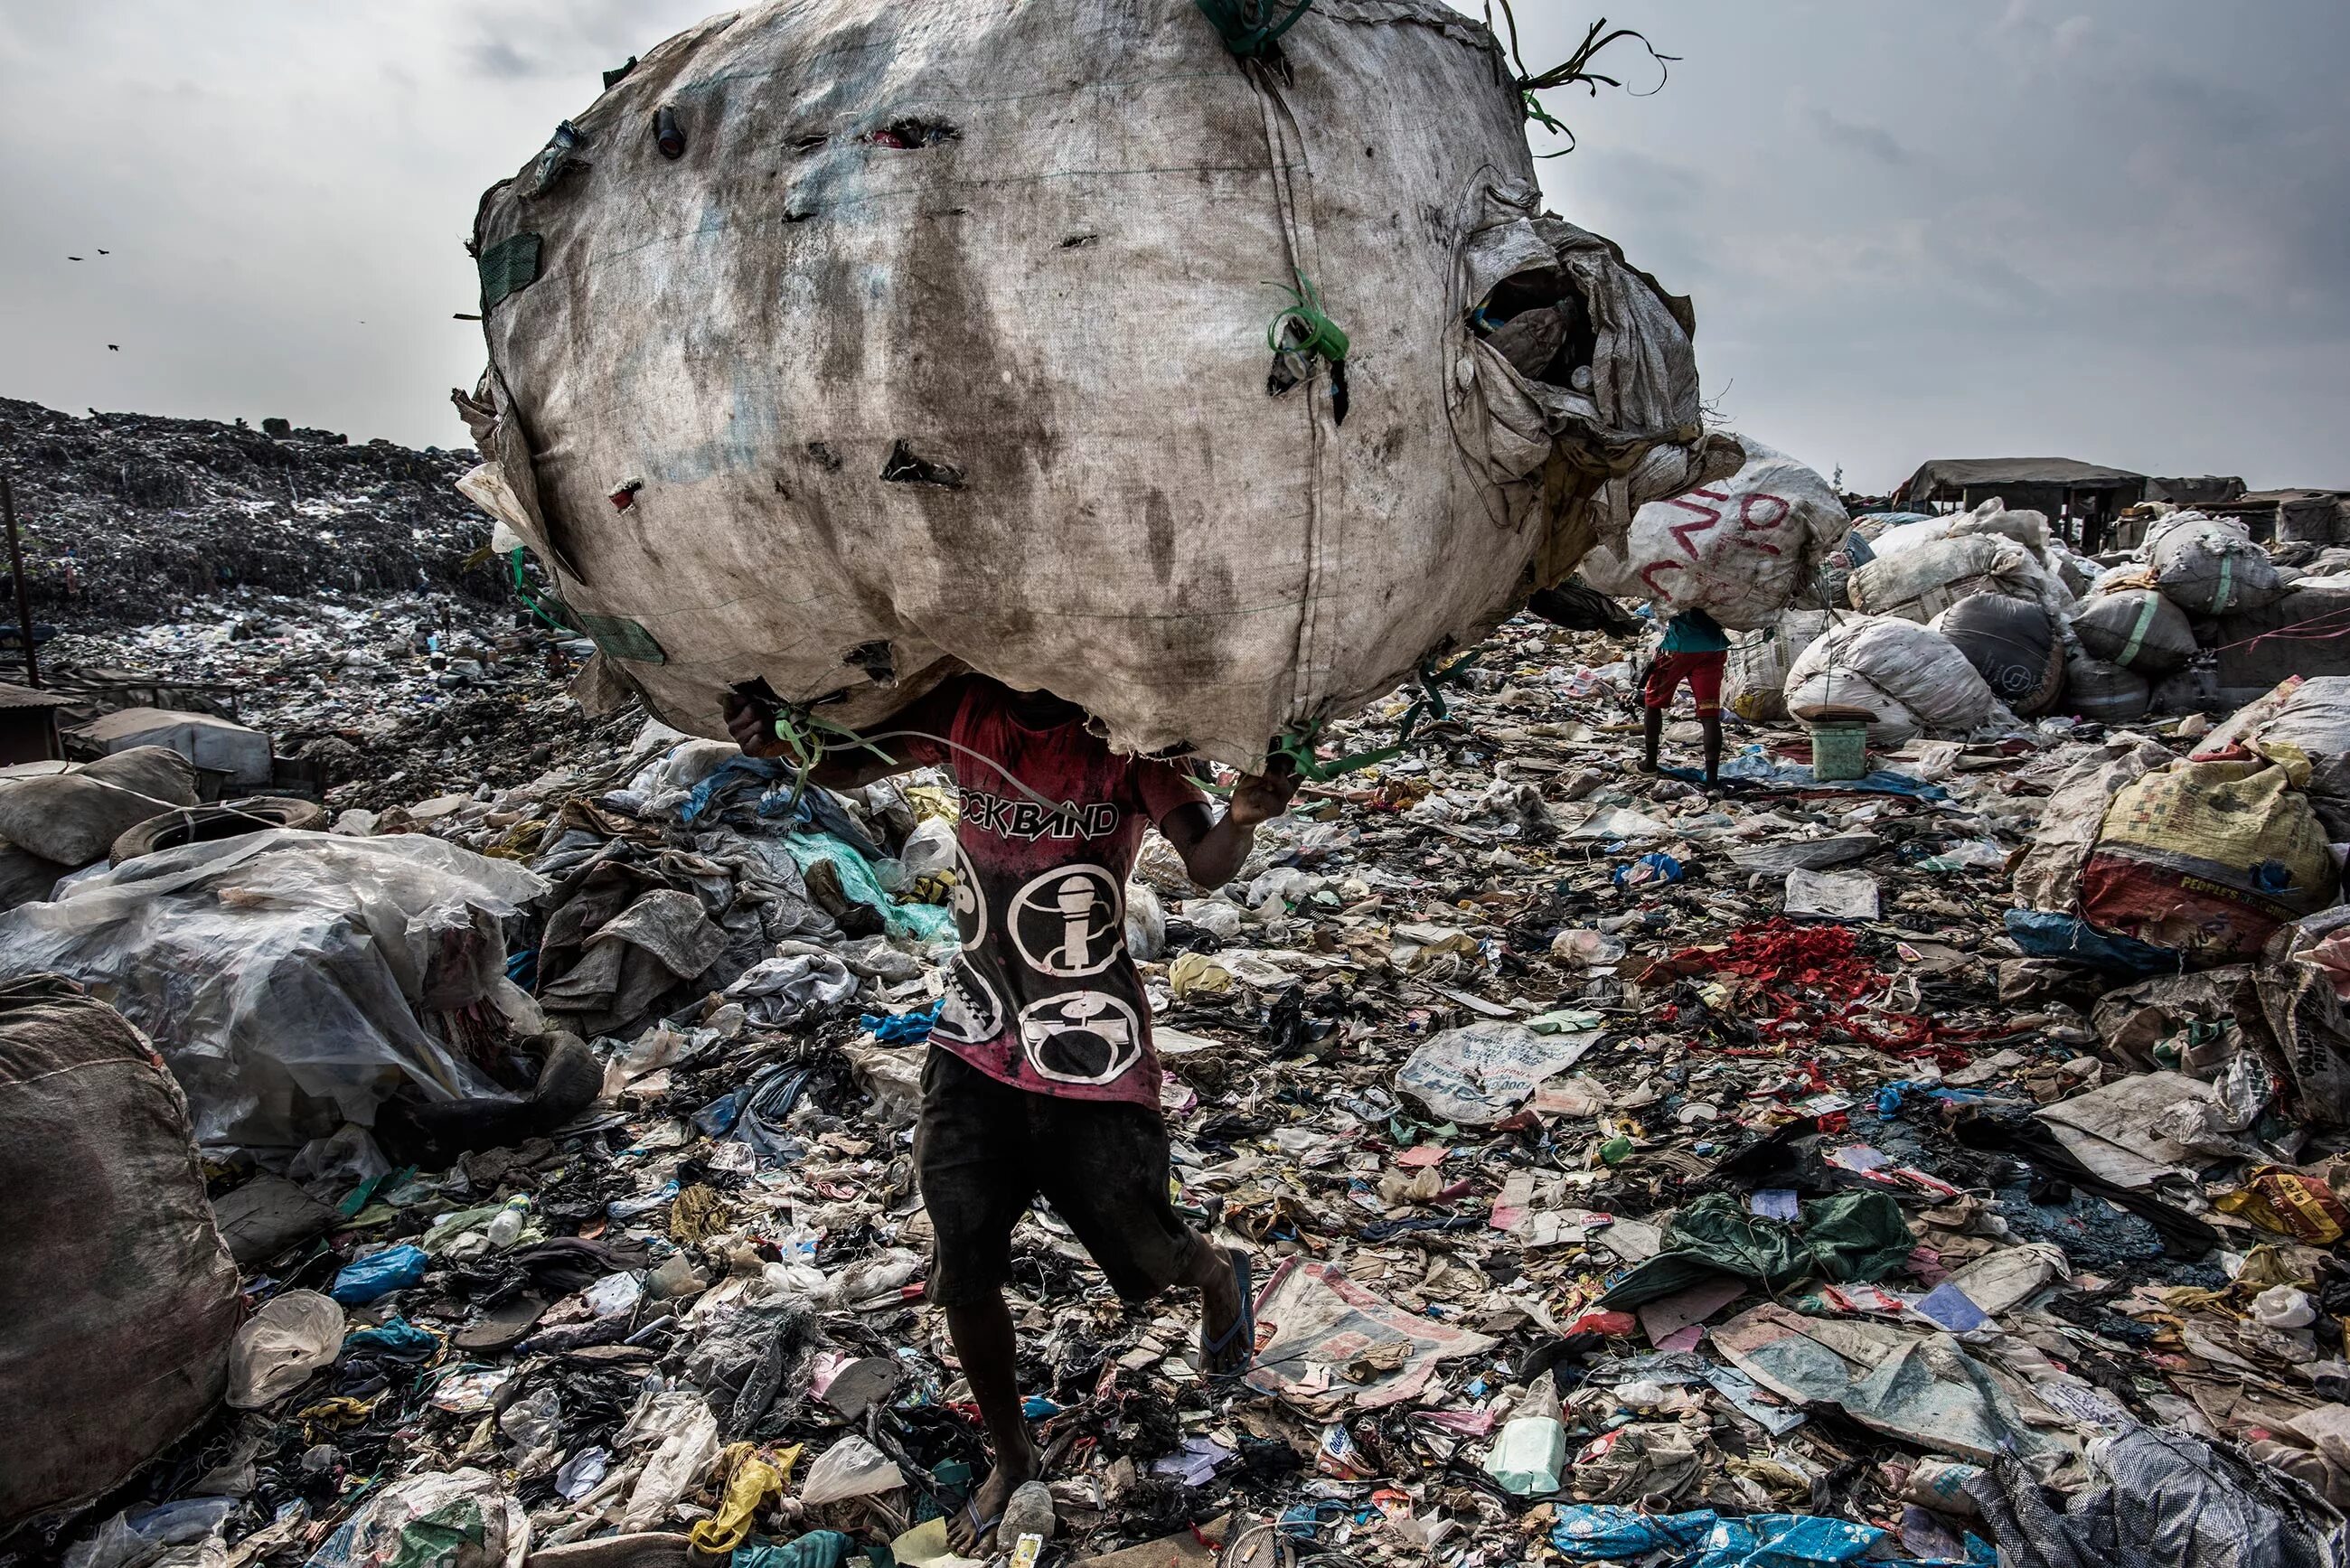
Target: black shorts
x=985 y=1149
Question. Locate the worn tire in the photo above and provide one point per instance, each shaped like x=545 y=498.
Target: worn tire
x=209 y=823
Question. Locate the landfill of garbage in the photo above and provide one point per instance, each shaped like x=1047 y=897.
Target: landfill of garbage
x=453 y=1118
x=1900 y=1167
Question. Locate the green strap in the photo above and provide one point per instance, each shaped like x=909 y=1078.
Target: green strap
x=1428 y=708
x=2137 y=633
x=1241 y=26
x=522 y=592
x=2227 y=584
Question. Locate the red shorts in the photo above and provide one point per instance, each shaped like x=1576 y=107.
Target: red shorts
x=1702 y=670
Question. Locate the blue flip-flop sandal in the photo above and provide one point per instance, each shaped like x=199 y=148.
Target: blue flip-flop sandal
x=1244 y=1329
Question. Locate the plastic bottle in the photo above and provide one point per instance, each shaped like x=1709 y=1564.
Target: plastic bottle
x=505 y=1227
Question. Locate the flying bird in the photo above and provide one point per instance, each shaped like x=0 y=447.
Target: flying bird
x=73 y=258
x=114 y=348
x=104 y=252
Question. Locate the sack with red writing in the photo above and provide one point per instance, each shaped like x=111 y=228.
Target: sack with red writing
x=1742 y=549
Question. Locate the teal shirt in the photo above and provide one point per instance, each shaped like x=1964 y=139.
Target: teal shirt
x=1694 y=631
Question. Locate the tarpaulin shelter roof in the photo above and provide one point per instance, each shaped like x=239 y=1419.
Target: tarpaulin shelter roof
x=1944 y=478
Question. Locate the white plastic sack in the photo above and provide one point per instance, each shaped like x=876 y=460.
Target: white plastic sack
x=2027 y=528
x=1921 y=583
x=1740 y=549
x=286 y=977
x=1912 y=676
x=2314 y=724
x=850 y=1468
x=946 y=339
x=1754 y=678
x=1903 y=537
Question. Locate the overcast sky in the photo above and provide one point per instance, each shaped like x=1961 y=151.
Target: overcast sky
x=2115 y=230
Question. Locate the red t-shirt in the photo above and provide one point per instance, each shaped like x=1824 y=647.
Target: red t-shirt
x=1044 y=997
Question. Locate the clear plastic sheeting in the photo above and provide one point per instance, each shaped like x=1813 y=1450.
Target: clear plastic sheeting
x=292 y=981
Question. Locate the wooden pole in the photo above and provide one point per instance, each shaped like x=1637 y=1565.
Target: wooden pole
x=23 y=595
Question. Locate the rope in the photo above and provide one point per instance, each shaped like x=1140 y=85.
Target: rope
x=175 y=807
x=1241 y=24
x=804 y=735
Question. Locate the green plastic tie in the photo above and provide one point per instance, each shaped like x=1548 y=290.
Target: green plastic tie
x=1428 y=708
x=522 y=592
x=1241 y=26
x=1322 y=337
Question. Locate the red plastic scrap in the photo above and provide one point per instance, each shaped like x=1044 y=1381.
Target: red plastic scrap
x=1798 y=978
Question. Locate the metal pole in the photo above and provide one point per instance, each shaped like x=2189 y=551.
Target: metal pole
x=24 y=597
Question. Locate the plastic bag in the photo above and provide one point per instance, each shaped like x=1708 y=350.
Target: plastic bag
x=2104 y=693
x=850 y=1468
x=378 y=1275
x=292 y=1336
x=1146 y=923
x=341 y=949
x=75 y=817
x=2312 y=726
x=1740 y=549
x=677 y=1425
x=1481 y=1074
x=128 y=1539
x=1754 y=678
x=2209 y=857
x=1920 y=584
x=2136 y=628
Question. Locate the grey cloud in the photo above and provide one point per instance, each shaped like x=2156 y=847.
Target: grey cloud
x=498 y=58
x=1868 y=141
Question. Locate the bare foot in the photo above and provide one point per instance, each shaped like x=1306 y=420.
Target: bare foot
x=969 y=1534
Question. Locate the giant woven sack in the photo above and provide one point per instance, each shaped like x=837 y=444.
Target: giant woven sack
x=1741 y=548
x=2210 y=857
x=119 y=1296
x=2014 y=644
x=844 y=342
x=2207 y=567
x=1921 y=583
x=2136 y=628
x=1911 y=677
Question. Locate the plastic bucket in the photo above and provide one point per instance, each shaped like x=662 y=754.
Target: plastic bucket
x=1839 y=751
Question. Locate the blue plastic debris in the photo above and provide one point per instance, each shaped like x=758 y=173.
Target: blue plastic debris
x=1654 y=868
x=395 y=1338
x=378 y=1275
x=1604 y=1531
x=2044 y=934
x=902 y=1028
